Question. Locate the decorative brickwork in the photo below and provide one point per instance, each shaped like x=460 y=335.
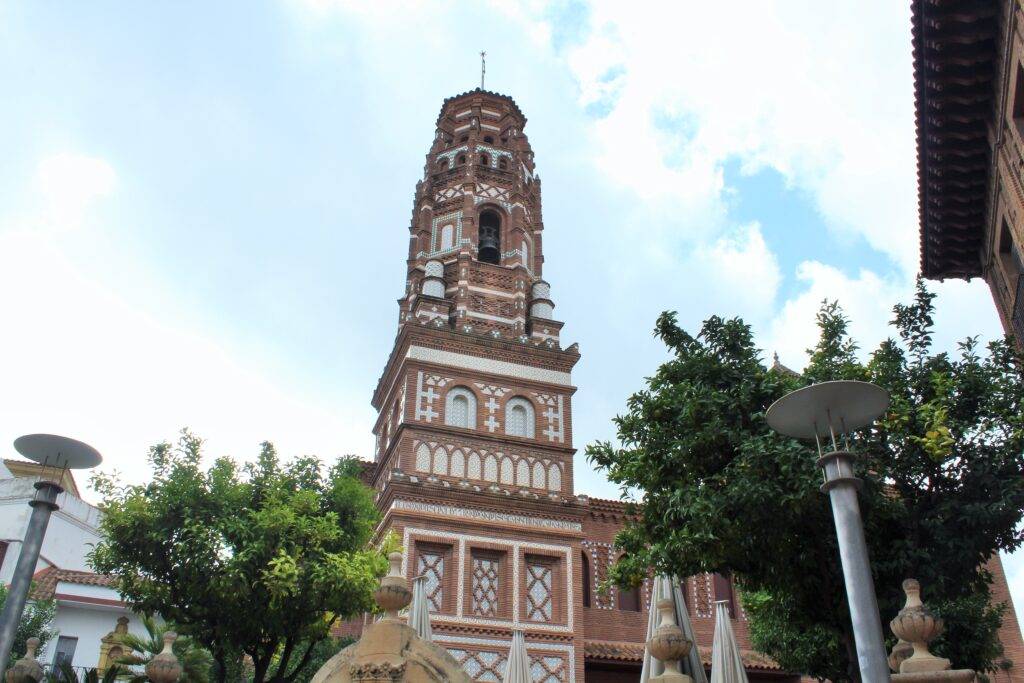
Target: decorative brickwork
x=485 y=587
x=480 y=490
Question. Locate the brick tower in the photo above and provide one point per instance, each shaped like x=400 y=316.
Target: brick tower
x=474 y=450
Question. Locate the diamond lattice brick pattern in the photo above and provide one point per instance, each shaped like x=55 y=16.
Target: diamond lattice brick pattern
x=547 y=669
x=485 y=587
x=431 y=565
x=482 y=666
x=538 y=592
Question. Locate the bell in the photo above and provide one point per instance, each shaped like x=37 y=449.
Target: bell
x=489 y=252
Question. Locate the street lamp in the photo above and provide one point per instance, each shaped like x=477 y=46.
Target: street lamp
x=55 y=454
x=826 y=410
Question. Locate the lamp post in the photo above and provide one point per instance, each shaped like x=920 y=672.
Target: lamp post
x=826 y=410
x=55 y=454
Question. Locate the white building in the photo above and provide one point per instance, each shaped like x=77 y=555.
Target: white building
x=87 y=607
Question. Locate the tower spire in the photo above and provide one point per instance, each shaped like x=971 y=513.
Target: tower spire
x=483 y=67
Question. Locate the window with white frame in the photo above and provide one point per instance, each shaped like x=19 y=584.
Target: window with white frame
x=519 y=417
x=460 y=408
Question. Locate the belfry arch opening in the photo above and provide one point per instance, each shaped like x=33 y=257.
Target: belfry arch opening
x=489 y=237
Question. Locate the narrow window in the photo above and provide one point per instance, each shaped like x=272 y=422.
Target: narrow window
x=447 y=237
x=442 y=164
x=460 y=408
x=489 y=139
x=503 y=164
x=464 y=138
x=431 y=564
x=585 y=569
x=485 y=160
x=629 y=599
x=489 y=242
x=539 y=582
x=460 y=411
x=724 y=592
x=65 y=651
x=486 y=574
x=462 y=160
x=519 y=417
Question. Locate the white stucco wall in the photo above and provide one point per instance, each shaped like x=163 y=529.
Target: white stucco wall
x=70 y=536
x=88 y=623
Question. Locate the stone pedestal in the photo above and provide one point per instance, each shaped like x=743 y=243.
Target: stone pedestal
x=916 y=625
x=389 y=651
x=26 y=669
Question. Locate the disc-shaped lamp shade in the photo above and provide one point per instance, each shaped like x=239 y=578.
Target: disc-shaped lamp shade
x=57 y=451
x=840 y=406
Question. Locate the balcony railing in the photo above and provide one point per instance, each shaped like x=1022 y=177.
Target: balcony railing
x=62 y=673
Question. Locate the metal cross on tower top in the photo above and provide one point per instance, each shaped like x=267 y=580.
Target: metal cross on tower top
x=483 y=68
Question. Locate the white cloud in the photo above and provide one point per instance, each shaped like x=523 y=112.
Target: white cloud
x=67 y=184
x=80 y=359
x=822 y=96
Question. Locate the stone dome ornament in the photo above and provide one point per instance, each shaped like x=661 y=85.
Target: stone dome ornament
x=669 y=645
x=390 y=651
x=918 y=626
x=26 y=669
x=165 y=667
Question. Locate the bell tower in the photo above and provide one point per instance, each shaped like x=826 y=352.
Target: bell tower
x=474 y=455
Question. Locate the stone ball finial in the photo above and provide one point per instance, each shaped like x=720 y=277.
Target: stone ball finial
x=165 y=667
x=917 y=626
x=394 y=593
x=26 y=669
x=668 y=644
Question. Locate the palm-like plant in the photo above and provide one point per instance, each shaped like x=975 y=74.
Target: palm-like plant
x=195 y=660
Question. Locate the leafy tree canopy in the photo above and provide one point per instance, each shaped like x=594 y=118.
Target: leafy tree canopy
x=258 y=560
x=721 y=492
x=36 y=622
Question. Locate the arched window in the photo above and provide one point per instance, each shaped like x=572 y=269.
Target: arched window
x=485 y=160
x=489 y=139
x=503 y=164
x=464 y=138
x=585 y=569
x=519 y=417
x=460 y=408
x=442 y=163
x=489 y=247
x=526 y=253
x=447 y=236
x=462 y=160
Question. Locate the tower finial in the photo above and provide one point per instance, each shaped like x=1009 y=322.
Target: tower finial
x=483 y=67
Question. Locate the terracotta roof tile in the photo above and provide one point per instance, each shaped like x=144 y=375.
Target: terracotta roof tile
x=634 y=652
x=44 y=582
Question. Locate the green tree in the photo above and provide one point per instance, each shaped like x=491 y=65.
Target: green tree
x=259 y=560
x=36 y=620
x=195 y=660
x=722 y=492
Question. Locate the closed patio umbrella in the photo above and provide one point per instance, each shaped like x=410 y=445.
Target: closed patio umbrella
x=691 y=666
x=517 y=668
x=419 y=612
x=726 y=662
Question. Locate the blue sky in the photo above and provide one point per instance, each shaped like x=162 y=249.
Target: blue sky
x=203 y=206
